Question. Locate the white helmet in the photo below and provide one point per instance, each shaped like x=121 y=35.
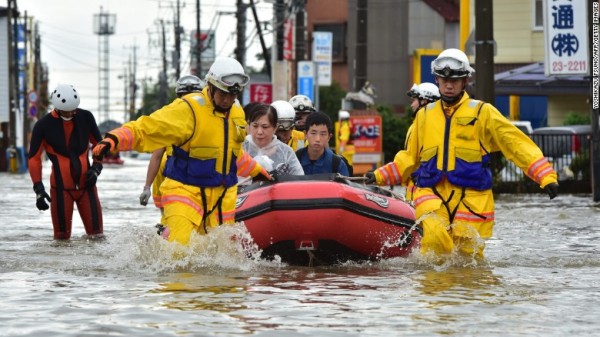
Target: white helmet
x=343 y=114
x=65 y=97
x=285 y=114
x=302 y=104
x=188 y=83
x=413 y=92
x=228 y=75
x=452 y=63
x=429 y=91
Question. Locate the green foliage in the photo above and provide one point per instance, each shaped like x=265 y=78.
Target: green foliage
x=581 y=163
x=330 y=100
x=150 y=99
x=574 y=118
x=394 y=131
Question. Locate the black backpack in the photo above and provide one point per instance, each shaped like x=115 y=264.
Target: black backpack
x=335 y=162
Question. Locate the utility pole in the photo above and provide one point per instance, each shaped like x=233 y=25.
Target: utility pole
x=593 y=28
x=240 y=50
x=265 y=51
x=162 y=77
x=13 y=78
x=177 y=42
x=132 y=84
x=484 y=51
x=198 y=42
x=360 y=71
x=300 y=46
x=23 y=68
x=37 y=70
x=279 y=21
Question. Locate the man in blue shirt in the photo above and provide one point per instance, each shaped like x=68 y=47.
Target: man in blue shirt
x=317 y=157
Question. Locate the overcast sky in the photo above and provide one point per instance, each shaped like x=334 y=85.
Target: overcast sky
x=70 y=47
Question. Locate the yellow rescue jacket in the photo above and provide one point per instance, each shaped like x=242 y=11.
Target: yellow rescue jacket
x=206 y=143
x=296 y=140
x=455 y=143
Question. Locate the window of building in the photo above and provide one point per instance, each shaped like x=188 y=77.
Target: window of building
x=538 y=15
x=339 y=39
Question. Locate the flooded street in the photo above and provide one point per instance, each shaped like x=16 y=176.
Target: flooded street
x=539 y=279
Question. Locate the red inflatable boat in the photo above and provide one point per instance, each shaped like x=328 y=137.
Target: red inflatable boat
x=326 y=219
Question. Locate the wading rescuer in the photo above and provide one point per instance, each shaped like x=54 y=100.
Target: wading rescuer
x=206 y=131
x=154 y=176
x=65 y=134
x=448 y=157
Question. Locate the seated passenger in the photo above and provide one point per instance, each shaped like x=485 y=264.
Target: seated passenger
x=317 y=157
x=262 y=143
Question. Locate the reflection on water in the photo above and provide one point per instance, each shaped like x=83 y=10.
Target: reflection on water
x=538 y=278
x=192 y=291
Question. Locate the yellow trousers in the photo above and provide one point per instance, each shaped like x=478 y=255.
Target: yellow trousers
x=184 y=210
x=472 y=222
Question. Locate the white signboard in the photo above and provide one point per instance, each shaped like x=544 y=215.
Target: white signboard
x=565 y=29
x=322 y=51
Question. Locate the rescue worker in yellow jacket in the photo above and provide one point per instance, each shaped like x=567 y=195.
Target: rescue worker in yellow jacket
x=285 y=125
x=448 y=157
x=346 y=148
x=154 y=176
x=421 y=95
x=206 y=131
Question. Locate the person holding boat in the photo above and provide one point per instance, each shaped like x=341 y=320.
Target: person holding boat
x=65 y=135
x=206 y=131
x=420 y=95
x=264 y=146
x=186 y=84
x=317 y=157
x=448 y=157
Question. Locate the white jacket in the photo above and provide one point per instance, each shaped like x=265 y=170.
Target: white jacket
x=282 y=157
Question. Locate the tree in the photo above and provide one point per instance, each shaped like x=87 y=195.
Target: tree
x=394 y=131
x=330 y=101
x=150 y=99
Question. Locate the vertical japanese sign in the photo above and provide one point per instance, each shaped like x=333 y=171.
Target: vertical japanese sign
x=288 y=39
x=306 y=79
x=565 y=29
x=322 y=56
x=261 y=92
x=595 y=54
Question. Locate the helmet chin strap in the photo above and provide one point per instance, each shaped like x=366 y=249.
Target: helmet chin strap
x=212 y=98
x=452 y=100
x=66 y=118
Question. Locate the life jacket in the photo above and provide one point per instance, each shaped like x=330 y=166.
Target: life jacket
x=297 y=140
x=208 y=157
x=451 y=147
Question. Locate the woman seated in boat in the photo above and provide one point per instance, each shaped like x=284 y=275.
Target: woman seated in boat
x=263 y=145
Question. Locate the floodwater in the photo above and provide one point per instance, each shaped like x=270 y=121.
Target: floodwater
x=540 y=277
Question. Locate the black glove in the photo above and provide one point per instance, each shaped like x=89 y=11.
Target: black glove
x=552 y=190
x=92 y=174
x=41 y=196
x=370 y=178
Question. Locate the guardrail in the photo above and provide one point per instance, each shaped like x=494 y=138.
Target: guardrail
x=568 y=154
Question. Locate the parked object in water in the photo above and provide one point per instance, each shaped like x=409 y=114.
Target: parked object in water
x=563 y=145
